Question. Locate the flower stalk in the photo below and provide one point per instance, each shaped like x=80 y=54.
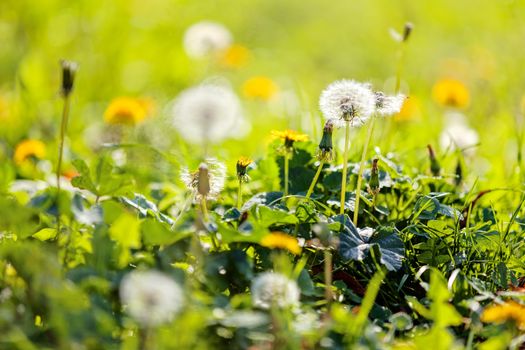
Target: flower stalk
x=361 y=169
x=345 y=167
x=324 y=153
x=68 y=77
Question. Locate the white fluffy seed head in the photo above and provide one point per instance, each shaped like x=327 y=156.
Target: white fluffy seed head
x=388 y=104
x=206 y=113
x=151 y=297
x=348 y=100
x=271 y=289
x=206 y=37
x=216 y=178
x=459 y=136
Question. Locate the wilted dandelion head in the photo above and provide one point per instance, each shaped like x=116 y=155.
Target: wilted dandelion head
x=127 y=111
x=151 y=297
x=348 y=100
x=207 y=181
x=235 y=56
x=28 y=149
x=206 y=113
x=260 y=87
x=451 y=93
x=242 y=165
x=205 y=38
x=271 y=289
x=509 y=311
x=69 y=69
x=388 y=104
x=280 y=240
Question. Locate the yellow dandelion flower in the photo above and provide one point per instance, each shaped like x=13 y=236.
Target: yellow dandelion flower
x=27 y=149
x=242 y=164
x=235 y=56
x=409 y=111
x=260 y=87
x=280 y=240
x=290 y=136
x=126 y=111
x=451 y=93
x=509 y=311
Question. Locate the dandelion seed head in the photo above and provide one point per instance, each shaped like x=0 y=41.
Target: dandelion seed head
x=348 y=100
x=206 y=113
x=205 y=38
x=458 y=135
x=216 y=173
x=274 y=289
x=388 y=104
x=151 y=297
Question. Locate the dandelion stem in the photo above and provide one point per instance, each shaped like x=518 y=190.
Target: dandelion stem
x=286 y=172
x=314 y=181
x=361 y=169
x=63 y=128
x=328 y=275
x=239 y=195
x=345 y=168
x=204 y=209
x=400 y=64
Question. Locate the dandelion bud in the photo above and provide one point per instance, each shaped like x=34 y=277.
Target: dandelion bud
x=408 y=30
x=68 y=76
x=203 y=186
x=435 y=168
x=325 y=152
x=242 y=165
x=373 y=185
x=459 y=173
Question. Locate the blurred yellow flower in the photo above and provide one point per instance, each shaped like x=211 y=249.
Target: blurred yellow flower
x=235 y=56
x=509 y=311
x=29 y=148
x=127 y=111
x=260 y=87
x=451 y=93
x=409 y=111
x=281 y=240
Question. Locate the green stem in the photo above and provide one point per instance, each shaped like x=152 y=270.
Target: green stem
x=328 y=276
x=239 y=195
x=345 y=168
x=361 y=169
x=314 y=181
x=400 y=62
x=205 y=219
x=204 y=209
x=63 y=128
x=286 y=172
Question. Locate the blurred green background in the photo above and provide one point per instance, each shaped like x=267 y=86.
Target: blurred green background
x=134 y=48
